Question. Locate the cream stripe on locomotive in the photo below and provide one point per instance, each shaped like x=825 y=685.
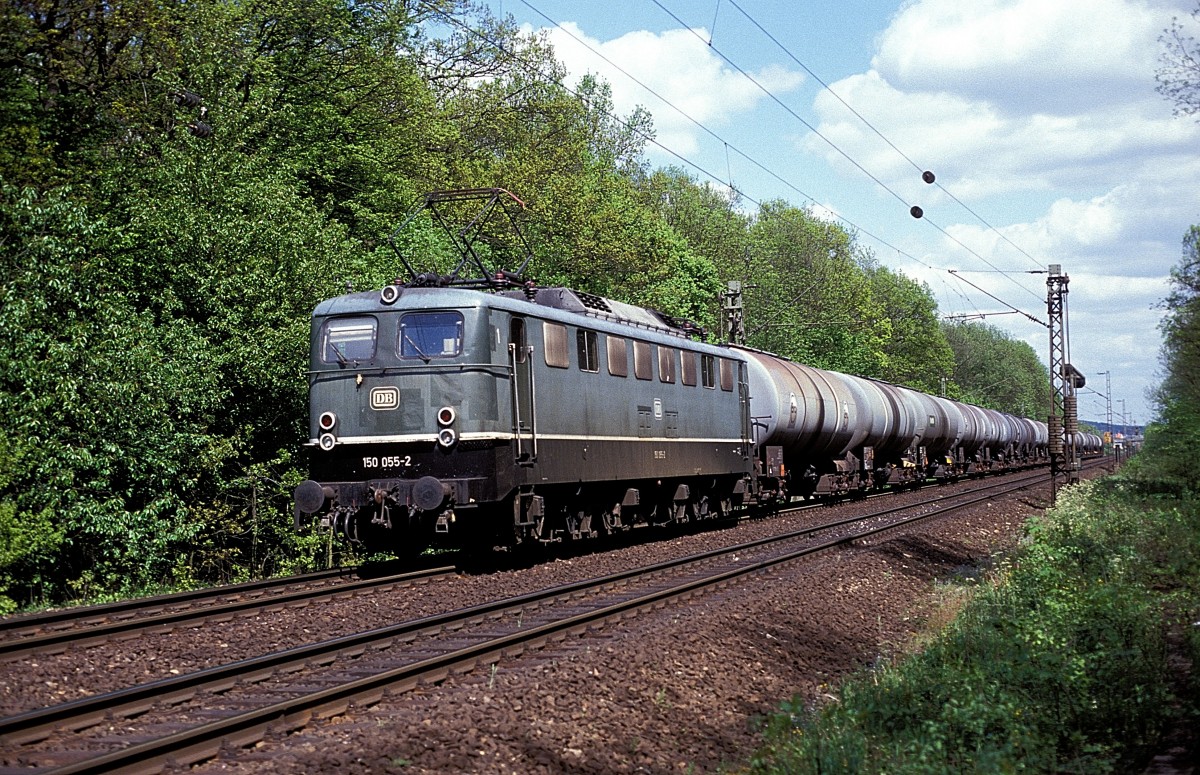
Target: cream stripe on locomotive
x=416 y=437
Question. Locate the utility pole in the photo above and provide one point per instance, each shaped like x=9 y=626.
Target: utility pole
x=1065 y=379
x=1108 y=408
x=733 y=325
x=1124 y=430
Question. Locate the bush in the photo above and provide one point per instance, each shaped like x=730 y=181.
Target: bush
x=1060 y=666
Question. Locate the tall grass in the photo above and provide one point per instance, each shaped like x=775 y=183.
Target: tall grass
x=1058 y=665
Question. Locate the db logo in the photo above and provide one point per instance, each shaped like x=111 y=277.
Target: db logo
x=385 y=398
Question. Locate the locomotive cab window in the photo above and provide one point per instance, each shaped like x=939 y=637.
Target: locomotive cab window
x=589 y=351
x=555 y=338
x=618 y=358
x=708 y=372
x=428 y=335
x=344 y=340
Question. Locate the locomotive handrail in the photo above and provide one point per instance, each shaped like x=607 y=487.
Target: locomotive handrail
x=532 y=402
x=663 y=328
x=502 y=370
x=516 y=406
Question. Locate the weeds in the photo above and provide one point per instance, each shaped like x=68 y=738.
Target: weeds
x=1058 y=666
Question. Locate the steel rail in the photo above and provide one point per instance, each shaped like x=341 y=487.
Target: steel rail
x=236 y=730
x=87 y=711
x=102 y=611
x=104 y=632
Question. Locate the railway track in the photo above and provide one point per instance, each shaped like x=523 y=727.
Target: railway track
x=188 y=718
x=56 y=631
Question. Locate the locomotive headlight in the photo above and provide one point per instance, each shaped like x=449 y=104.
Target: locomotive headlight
x=327 y=441
x=327 y=421
x=447 y=437
x=446 y=415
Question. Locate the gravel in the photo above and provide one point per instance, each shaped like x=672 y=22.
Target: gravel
x=681 y=690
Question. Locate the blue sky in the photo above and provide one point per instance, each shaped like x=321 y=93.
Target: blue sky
x=1041 y=117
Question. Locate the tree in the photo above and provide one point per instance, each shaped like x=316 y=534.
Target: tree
x=995 y=371
x=916 y=352
x=809 y=298
x=1167 y=462
x=109 y=407
x=1179 y=74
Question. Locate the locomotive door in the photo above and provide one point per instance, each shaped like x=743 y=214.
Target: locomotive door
x=524 y=407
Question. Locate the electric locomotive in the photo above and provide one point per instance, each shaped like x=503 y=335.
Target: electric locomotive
x=450 y=416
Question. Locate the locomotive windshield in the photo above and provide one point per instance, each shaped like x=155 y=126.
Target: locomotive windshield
x=348 y=339
x=428 y=335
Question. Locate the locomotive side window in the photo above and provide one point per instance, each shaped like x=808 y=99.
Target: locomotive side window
x=687 y=373
x=666 y=364
x=589 y=350
x=618 y=357
x=555 y=337
x=348 y=339
x=427 y=335
x=708 y=372
x=726 y=375
x=643 y=368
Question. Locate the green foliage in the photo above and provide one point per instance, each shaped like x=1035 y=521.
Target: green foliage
x=813 y=302
x=87 y=382
x=155 y=313
x=811 y=292
x=916 y=352
x=27 y=540
x=1166 y=463
x=156 y=285
x=997 y=372
x=1060 y=667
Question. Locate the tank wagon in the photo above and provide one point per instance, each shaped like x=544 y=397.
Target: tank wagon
x=449 y=416
x=839 y=433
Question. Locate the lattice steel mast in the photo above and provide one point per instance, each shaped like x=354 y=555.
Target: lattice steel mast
x=1065 y=379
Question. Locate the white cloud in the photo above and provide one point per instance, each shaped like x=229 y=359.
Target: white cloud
x=979 y=151
x=678 y=66
x=1078 y=54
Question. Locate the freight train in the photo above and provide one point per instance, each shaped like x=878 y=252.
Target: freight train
x=499 y=413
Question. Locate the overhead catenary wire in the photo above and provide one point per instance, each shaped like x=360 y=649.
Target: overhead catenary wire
x=775 y=98
x=997 y=298
x=693 y=164
x=750 y=18
x=729 y=182
x=725 y=143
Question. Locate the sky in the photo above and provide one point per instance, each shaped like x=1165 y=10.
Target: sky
x=1040 y=121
